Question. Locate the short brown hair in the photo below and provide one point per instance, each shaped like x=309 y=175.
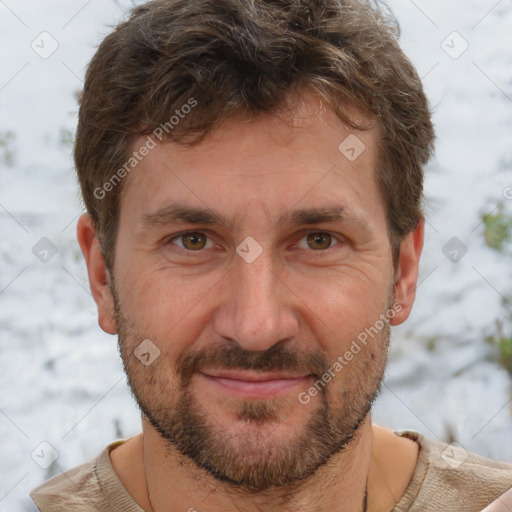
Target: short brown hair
x=249 y=56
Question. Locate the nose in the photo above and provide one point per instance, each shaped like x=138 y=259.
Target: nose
x=256 y=308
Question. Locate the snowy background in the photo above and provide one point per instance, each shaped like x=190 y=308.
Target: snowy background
x=61 y=380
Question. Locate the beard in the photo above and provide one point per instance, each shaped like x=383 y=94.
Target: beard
x=252 y=459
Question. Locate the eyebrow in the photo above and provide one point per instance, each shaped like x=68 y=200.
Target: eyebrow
x=178 y=212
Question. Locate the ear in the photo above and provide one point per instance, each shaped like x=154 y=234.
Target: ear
x=99 y=276
x=406 y=275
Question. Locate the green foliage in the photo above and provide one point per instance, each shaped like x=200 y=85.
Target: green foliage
x=503 y=344
x=505 y=347
x=432 y=342
x=498 y=236
x=66 y=138
x=497 y=229
x=6 y=152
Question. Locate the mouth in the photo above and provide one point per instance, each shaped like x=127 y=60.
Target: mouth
x=255 y=384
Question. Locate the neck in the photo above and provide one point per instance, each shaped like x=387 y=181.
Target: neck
x=172 y=482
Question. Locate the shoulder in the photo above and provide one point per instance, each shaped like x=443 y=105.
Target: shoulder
x=449 y=478
x=70 y=489
x=89 y=487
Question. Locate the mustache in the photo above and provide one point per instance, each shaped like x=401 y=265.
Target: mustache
x=234 y=357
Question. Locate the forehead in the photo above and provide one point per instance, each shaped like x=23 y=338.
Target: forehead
x=267 y=164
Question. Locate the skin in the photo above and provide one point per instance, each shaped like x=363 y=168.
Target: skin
x=308 y=300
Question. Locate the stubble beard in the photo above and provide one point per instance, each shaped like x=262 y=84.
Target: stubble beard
x=253 y=462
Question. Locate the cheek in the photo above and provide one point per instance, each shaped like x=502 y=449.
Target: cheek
x=165 y=308
x=341 y=305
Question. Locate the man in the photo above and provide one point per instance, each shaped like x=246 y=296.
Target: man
x=253 y=172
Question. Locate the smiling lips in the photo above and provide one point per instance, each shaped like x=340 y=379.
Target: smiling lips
x=256 y=384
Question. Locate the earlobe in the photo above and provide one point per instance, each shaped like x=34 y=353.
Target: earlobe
x=99 y=275
x=406 y=275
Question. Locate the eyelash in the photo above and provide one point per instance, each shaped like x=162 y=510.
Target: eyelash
x=201 y=252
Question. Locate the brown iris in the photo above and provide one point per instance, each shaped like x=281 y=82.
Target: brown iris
x=194 y=240
x=323 y=240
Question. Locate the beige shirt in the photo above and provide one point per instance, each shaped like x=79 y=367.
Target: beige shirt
x=502 y=504
x=445 y=479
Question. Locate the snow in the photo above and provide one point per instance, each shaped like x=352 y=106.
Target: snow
x=60 y=375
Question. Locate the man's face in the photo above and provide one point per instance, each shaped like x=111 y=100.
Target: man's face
x=224 y=309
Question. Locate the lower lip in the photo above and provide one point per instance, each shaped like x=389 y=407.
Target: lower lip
x=265 y=389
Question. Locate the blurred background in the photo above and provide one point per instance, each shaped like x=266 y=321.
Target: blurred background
x=63 y=395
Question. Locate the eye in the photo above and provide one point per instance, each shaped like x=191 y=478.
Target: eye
x=197 y=241
x=318 y=241
x=192 y=241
